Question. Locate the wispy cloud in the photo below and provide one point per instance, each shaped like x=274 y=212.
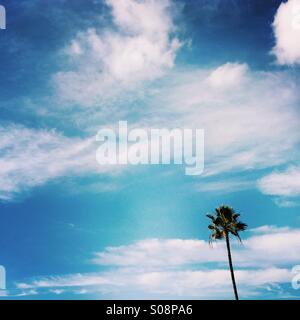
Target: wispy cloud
x=269 y=229
x=179 y=268
x=32 y=157
x=251 y=124
x=237 y=135
x=225 y=186
x=208 y=284
x=103 y=63
x=285 y=203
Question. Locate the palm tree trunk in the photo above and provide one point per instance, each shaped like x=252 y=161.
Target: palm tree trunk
x=231 y=267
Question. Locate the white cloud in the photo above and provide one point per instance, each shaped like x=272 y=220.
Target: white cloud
x=74 y=280
x=203 y=284
x=229 y=75
x=105 y=62
x=225 y=186
x=179 y=268
x=250 y=125
x=253 y=124
x=155 y=252
x=286 y=183
x=282 y=245
x=269 y=229
x=250 y=118
x=31 y=157
x=146 y=16
x=287 y=33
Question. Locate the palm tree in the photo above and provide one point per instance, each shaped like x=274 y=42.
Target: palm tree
x=223 y=223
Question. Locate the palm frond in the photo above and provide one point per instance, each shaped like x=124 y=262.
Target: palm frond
x=211 y=217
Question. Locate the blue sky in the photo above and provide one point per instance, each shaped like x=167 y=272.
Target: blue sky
x=72 y=229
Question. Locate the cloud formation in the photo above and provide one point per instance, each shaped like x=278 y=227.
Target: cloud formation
x=250 y=117
x=282 y=245
x=287 y=33
x=138 y=47
x=32 y=157
x=177 y=268
x=225 y=186
x=285 y=183
x=229 y=75
x=208 y=284
x=250 y=122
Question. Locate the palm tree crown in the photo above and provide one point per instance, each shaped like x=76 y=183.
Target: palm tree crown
x=225 y=222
